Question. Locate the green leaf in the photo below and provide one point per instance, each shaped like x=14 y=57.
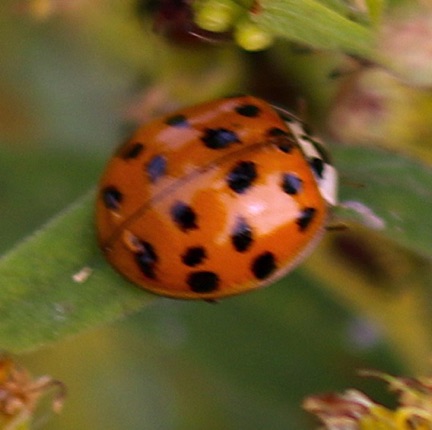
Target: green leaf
x=40 y=302
x=389 y=192
x=312 y=23
x=38 y=182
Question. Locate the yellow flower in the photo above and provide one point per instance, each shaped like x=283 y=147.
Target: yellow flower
x=20 y=393
x=353 y=410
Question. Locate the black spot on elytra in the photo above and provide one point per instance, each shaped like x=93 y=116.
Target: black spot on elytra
x=282 y=139
x=277 y=132
x=111 y=197
x=203 y=282
x=130 y=151
x=306 y=218
x=146 y=258
x=184 y=216
x=219 y=138
x=317 y=166
x=251 y=111
x=177 y=121
x=194 y=256
x=291 y=184
x=241 y=176
x=241 y=236
x=263 y=265
x=156 y=167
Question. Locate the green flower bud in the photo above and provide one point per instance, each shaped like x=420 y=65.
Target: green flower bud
x=216 y=15
x=251 y=37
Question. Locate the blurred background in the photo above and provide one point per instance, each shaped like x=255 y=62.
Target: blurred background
x=76 y=76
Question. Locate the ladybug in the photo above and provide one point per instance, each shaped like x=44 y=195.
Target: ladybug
x=214 y=200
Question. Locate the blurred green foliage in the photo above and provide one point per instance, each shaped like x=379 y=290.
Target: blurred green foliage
x=72 y=82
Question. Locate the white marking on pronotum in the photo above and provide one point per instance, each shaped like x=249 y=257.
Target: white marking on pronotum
x=312 y=147
x=370 y=219
x=328 y=183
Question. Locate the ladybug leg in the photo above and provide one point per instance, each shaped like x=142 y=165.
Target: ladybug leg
x=338 y=226
x=212 y=301
x=346 y=180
